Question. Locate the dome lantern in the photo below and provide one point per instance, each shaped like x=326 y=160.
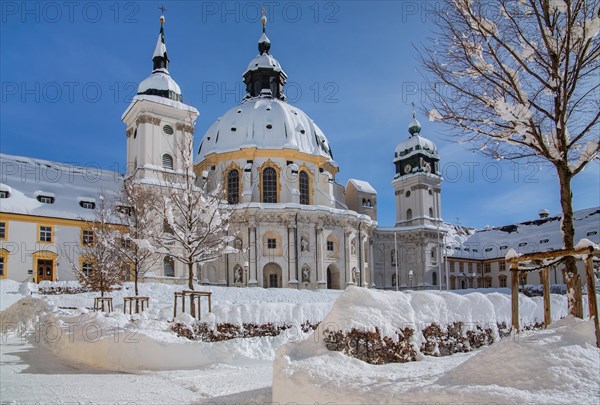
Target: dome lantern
x=264 y=76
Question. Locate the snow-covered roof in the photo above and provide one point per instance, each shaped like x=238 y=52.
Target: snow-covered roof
x=526 y=237
x=363 y=186
x=160 y=100
x=159 y=81
x=264 y=61
x=264 y=123
x=27 y=178
x=413 y=144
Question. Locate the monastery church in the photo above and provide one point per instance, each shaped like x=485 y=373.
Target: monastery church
x=297 y=226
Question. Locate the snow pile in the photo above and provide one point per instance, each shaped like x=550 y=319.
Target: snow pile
x=12 y=291
x=559 y=364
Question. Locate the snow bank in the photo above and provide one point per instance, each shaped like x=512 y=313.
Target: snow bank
x=145 y=342
x=513 y=370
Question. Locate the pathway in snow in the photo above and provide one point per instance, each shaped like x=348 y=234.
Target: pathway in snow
x=30 y=373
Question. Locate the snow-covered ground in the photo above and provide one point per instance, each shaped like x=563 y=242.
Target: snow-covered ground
x=77 y=355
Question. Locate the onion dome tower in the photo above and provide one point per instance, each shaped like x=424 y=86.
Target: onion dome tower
x=417 y=179
x=160 y=83
x=158 y=122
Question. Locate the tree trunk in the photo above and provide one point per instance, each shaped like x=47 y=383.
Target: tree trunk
x=191 y=287
x=573 y=280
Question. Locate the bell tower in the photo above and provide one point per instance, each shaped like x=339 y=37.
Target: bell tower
x=417 y=180
x=159 y=125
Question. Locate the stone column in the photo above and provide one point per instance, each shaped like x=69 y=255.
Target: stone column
x=372 y=264
x=363 y=273
x=293 y=260
x=348 y=268
x=320 y=253
x=252 y=256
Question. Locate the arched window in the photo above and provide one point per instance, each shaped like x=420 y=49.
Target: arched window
x=269 y=184
x=430 y=212
x=409 y=214
x=304 y=190
x=434 y=278
x=168 y=267
x=233 y=186
x=167 y=161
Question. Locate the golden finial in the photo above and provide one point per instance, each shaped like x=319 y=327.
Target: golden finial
x=162 y=8
x=263 y=19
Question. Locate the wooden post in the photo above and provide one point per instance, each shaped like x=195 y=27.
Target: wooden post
x=175 y=307
x=592 y=303
x=514 y=273
x=544 y=274
x=578 y=296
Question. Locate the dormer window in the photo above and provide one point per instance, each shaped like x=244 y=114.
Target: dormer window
x=592 y=233
x=522 y=244
x=124 y=209
x=88 y=205
x=45 y=199
x=4 y=194
x=544 y=241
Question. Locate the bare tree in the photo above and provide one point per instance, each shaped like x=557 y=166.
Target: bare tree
x=100 y=267
x=195 y=221
x=518 y=79
x=137 y=213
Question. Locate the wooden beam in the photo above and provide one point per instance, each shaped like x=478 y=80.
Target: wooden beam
x=592 y=302
x=544 y=275
x=553 y=254
x=514 y=274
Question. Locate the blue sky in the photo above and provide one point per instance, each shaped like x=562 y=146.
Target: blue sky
x=68 y=71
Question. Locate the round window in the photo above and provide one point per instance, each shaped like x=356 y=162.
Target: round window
x=167 y=129
x=407 y=194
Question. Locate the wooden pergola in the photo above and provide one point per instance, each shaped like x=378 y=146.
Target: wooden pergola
x=586 y=254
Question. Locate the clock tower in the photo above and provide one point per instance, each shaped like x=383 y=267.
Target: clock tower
x=417 y=180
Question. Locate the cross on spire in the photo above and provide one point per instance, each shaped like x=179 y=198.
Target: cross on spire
x=162 y=8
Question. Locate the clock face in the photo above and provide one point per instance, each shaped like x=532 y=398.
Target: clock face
x=407 y=169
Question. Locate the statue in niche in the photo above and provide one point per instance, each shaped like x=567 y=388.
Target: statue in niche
x=304 y=247
x=394 y=282
x=305 y=274
x=353 y=247
x=355 y=275
x=237 y=275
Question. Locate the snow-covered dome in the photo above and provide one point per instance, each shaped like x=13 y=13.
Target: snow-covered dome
x=264 y=61
x=414 y=143
x=159 y=81
x=264 y=123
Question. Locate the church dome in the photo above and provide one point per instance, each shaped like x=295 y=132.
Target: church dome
x=265 y=123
